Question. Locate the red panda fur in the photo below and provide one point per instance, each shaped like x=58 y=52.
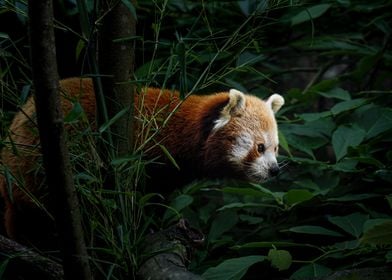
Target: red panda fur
x=187 y=136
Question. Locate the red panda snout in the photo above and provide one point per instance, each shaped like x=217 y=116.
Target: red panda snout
x=274 y=170
x=255 y=162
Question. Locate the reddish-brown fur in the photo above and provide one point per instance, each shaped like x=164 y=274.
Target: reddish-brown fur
x=187 y=136
x=183 y=137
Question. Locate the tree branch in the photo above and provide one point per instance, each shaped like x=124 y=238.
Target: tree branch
x=24 y=263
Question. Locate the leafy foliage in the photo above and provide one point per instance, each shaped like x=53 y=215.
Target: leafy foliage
x=329 y=209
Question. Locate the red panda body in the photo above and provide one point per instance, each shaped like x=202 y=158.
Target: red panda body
x=227 y=134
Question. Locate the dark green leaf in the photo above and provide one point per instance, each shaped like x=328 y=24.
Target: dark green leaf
x=131 y=7
x=346 y=165
x=244 y=191
x=296 y=196
x=75 y=113
x=352 y=224
x=317 y=230
x=283 y=142
x=380 y=124
x=110 y=122
x=277 y=244
x=309 y=117
x=311 y=271
x=223 y=222
x=379 y=234
x=347 y=245
x=310 y=13
x=179 y=203
x=337 y=93
x=374 y=222
x=251 y=219
x=232 y=269
x=347 y=105
x=388 y=257
x=344 y=137
x=353 y=197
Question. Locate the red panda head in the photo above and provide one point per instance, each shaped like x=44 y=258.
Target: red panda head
x=244 y=139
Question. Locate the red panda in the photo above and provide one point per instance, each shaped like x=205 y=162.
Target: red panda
x=227 y=134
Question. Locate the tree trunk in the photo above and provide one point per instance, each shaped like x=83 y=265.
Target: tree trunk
x=52 y=137
x=116 y=64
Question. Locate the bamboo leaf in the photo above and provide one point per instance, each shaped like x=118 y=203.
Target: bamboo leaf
x=310 y=13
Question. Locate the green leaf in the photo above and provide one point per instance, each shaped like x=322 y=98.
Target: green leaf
x=389 y=200
x=353 y=197
x=344 y=137
x=317 y=230
x=169 y=156
x=381 y=124
x=352 y=224
x=131 y=7
x=347 y=245
x=244 y=205
x=374 y=222
x=365 y=65
x=296 y=196
x=309 y=117
x=310 y=13
x=324 y=86
x=347 y=105
x=244 y=191
x=3 y=266
x=75 y=113
x=251 y=219
x=283 y=143
x=79 y=47
x=280 y=259
x=388 y=257
x=311 y=271
x=269 y=244
x=232 y=269
x=223 y=222
x=110 y=122
x=346 y=165
x=380 y=234
x=337 y=93
x=4 y=35
x=179 y=203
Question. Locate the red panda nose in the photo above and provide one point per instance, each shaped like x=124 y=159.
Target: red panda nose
x=274 y=170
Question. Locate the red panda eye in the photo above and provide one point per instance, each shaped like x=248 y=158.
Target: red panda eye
x=261 y=148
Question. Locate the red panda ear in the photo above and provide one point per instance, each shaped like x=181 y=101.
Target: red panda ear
x=235 y=104
x=275 y=102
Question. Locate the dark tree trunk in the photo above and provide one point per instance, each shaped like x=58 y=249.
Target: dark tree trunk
x=116 y=63
x=51 y=129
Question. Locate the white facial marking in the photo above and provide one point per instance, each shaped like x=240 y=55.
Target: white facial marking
x=241 y=148
x=261 y=166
